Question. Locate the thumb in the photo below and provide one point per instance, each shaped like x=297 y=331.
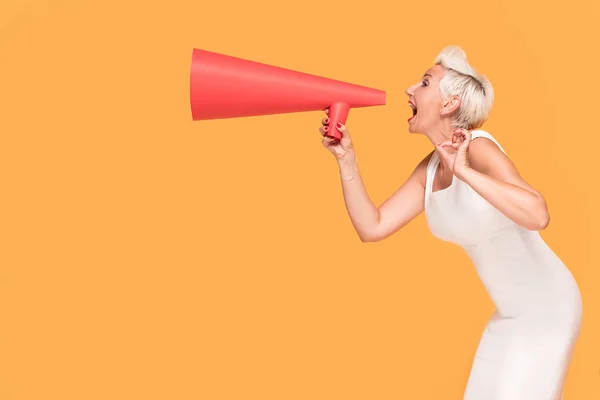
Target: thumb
x=442 y=151
x=466 y=140
x=343 y=130
x=464 y=145
x=345 y=142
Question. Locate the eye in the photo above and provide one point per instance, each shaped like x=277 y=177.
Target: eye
x=425 y=83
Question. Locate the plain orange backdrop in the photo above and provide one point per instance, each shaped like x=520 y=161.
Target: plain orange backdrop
x=147 y=256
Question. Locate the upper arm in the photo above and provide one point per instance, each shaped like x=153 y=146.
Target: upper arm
x=486 y=157
x=404 y=205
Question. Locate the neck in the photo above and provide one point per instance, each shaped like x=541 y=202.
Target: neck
x=440 y=133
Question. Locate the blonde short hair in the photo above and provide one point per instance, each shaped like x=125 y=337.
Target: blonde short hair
x=473 y=89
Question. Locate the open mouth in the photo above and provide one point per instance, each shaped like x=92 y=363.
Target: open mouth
x=414 y=110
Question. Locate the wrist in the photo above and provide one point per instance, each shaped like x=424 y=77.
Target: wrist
x=349 y=158
x=348 y=168
x=464 y=173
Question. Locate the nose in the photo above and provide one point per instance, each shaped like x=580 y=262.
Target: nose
x=409 y=91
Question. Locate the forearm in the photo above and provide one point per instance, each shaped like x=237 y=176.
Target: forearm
x=520 y=205
x=363 y=213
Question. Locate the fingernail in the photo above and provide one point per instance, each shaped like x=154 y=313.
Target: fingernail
x=326 y=129
x=339 y=125
x=326 y=120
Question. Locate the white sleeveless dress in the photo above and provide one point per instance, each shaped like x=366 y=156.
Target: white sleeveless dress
x=527 y=345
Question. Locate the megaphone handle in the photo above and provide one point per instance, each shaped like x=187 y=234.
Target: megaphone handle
x=338 y=112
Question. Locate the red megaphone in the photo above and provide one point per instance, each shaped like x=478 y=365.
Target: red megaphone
x=223 y=86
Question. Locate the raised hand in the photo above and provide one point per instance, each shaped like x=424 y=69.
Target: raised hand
x=455 y=152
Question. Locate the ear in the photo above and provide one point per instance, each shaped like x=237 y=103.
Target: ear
x=449 y=106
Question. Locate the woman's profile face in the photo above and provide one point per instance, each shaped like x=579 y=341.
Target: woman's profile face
x=426 y=100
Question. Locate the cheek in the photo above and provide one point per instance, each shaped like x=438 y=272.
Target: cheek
x=432 y=105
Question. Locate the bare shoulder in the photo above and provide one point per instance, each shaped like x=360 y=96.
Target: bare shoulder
x=486 y=157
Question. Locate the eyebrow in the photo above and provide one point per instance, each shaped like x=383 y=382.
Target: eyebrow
x=427 y=75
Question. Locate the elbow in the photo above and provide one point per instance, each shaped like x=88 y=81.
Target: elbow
x=544 y=221
x=369 y=237
x=536 y=223
x=541 y=219
x=372 y=233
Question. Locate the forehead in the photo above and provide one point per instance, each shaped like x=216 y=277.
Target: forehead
x=437 y=71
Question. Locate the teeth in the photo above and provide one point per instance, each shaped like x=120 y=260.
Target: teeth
x=414 y=109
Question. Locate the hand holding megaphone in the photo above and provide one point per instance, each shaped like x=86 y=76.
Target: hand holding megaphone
x=339 y=148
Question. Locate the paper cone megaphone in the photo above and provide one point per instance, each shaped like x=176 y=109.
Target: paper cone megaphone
x=223 y=86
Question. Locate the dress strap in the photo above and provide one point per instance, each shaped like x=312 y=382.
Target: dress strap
x=430 y=172
x=481 y=133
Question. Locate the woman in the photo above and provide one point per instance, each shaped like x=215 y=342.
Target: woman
x=473 y=196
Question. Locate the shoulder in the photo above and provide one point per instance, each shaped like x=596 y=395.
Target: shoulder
x=486 y=155
x=422 y=165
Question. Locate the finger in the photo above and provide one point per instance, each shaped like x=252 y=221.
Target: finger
x=467 y=136
x=327 y=111
x=454 y=145
x=442 y=149
x=325 y=121
x=457 y=136
x=463 y=133
x=324 y=130
x=327 y=140
x=464 y=146
x=442 y=152
x=342 y=128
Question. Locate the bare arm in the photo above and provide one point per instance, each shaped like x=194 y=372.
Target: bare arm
x=495 y=178
x=372 y=223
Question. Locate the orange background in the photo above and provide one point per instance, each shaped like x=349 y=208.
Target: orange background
x=146 y=256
